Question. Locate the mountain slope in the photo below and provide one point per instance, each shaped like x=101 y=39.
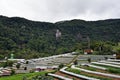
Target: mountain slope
x=22 y=37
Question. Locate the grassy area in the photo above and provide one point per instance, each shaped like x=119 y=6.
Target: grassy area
x=21 y=76
x=87 y=74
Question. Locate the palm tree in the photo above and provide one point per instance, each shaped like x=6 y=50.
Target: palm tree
x=116 y=50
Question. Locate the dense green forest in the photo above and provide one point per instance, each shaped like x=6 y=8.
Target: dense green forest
x=32 y=39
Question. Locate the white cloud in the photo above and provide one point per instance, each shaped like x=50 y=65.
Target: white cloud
x=56 y=10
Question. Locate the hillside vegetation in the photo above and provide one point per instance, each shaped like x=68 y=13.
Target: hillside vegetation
x=32 y=39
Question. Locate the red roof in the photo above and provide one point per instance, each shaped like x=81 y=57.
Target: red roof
x=88 y=50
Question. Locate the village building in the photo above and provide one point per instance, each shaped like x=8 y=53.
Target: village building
x=88 y=51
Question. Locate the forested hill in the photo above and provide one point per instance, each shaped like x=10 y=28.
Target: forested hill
x=96 y=30
x=22 y=37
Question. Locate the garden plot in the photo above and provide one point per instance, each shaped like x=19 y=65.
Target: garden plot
x=115 y=60
x=76 y=73
x=106 y=64
x=96 y=73
x=87 y=76
x=50 y=61
x=84 y=58
x=67 y=75
x=109 y=69
x=82 y=62
x=111 y=62
x=92 y=66
x=97 y=77
x=94 y=57
x=102 y=69
x=59 y=77
x=62 y=60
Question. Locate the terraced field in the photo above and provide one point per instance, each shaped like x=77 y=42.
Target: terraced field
x=67 y=75
x=91 y=70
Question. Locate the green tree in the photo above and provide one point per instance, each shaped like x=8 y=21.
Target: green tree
x=10 y=63
x=89 y=60
x=18 y=65
x=61 y=65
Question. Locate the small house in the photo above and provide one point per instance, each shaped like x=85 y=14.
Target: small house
x=88 y=51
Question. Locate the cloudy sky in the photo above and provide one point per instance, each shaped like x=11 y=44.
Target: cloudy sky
x=57 y=10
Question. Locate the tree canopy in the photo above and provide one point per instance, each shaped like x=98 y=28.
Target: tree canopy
x=32 y=39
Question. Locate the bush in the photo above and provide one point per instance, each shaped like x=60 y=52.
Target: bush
x=4 y=64
x=89 y=60
x=61 y=65
x=12 y=72
x=32 y=71
x=10 y=63
x=113 y=70
x=75 y=62
x=27 y=62
x=7 y=63
x=18 y=65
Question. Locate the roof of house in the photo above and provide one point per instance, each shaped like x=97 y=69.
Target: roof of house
x=88 y=50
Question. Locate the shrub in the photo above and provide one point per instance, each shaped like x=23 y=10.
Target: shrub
x=12 y=72
x=113 y=70
x=61 y=65
x=18 y=65
x=75 y=62
x=25 y=68
x=89 y=60
x=32 y=71
x=27 y=62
